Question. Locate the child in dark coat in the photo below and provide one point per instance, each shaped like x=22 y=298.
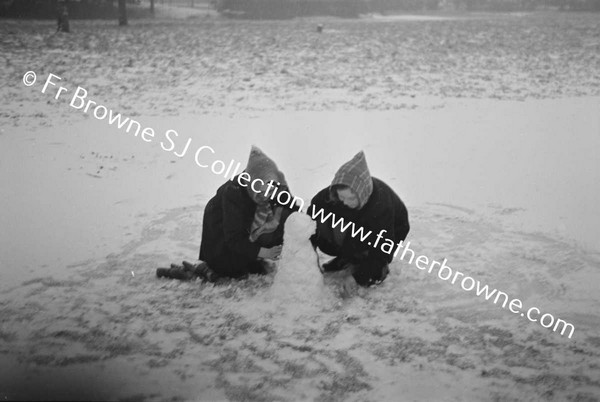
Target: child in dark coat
x=369 y=203
x=242 y=227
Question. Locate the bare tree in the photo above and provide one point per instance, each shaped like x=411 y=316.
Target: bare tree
x=122 y=12
x=62 y=16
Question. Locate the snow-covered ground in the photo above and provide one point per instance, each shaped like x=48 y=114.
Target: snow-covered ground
x=498 y=188
x=506 y=190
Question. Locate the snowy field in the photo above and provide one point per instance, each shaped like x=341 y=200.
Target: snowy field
x=487 y=126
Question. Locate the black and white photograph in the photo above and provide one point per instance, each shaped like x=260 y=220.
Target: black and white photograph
x=300 y=200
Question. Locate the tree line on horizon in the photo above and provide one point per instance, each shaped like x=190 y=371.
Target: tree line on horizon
x=109 y=9
x=77 y=9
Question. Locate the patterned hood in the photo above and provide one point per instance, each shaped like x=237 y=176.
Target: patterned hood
x=260 y=166
x=355 y=174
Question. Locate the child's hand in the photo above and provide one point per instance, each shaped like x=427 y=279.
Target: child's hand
x=348 y=286
x=272 y=253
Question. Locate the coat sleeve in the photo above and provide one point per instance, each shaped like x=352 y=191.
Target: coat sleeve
x=235 y=226
x=288 y=208
x=317 y=203
x=371 y=248
x=402 y=227
x=388 y=217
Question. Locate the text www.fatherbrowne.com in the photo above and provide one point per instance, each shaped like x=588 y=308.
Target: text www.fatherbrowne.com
x=445 y=273
x=80 y=101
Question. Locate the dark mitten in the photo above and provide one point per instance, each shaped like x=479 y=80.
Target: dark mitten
x=370 y=272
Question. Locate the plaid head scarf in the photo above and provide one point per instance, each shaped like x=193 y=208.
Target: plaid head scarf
x=355 y=174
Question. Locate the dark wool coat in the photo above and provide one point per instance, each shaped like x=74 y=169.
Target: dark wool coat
x=379 y=208
x=383 y=210
x=225 y=245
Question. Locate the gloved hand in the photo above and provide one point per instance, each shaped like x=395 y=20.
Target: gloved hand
x=272 y=253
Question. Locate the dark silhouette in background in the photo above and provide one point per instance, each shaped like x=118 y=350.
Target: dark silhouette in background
x=122 y=13
x=62 y=16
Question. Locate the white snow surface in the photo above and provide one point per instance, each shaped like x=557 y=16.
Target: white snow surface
x=506 y=191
